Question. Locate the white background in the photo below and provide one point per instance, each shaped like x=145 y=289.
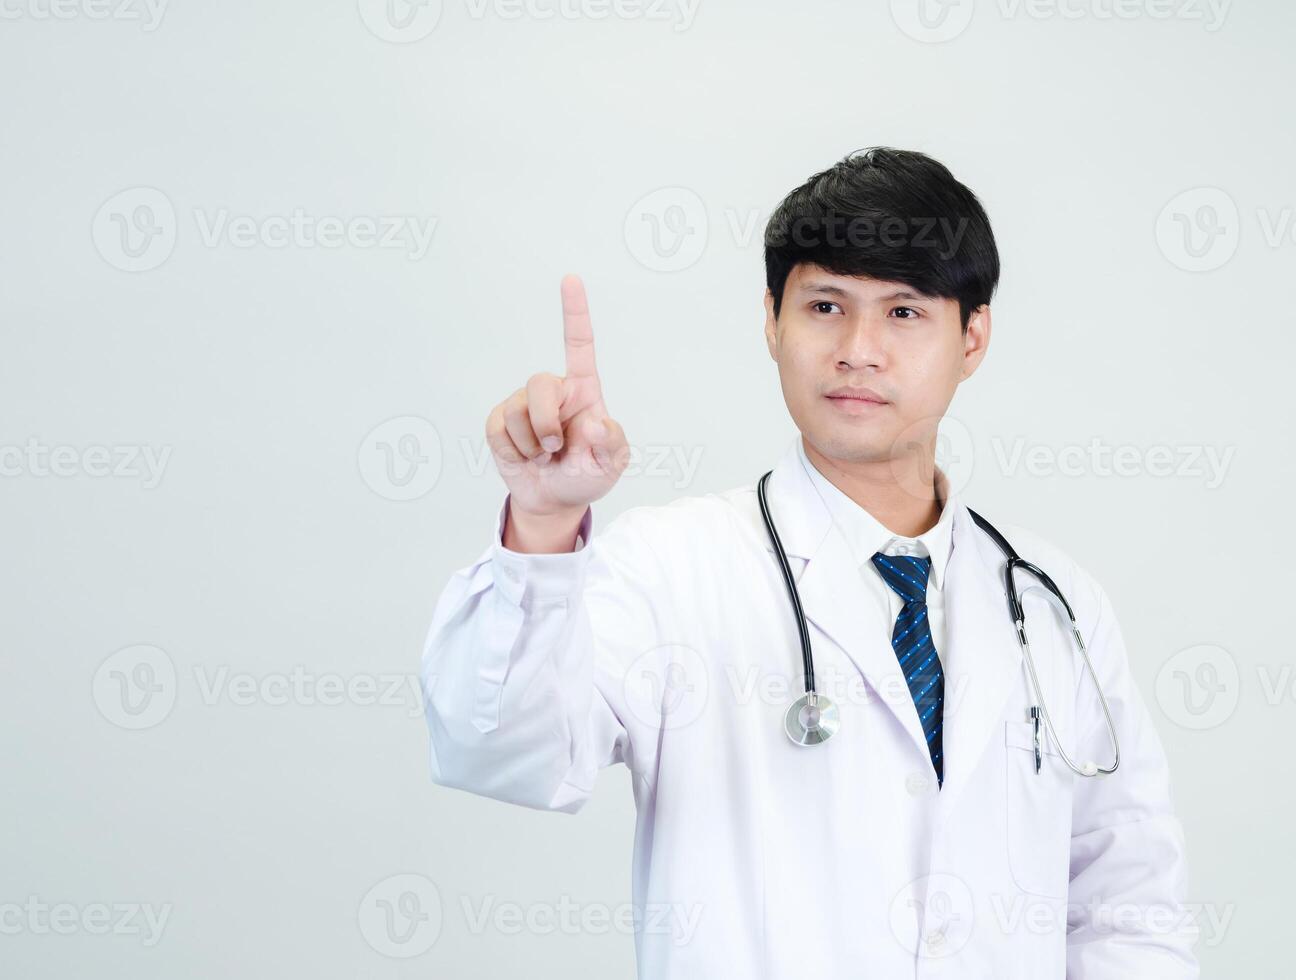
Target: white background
x=1136 y=162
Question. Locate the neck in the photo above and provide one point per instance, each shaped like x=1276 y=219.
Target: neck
x=900 y=493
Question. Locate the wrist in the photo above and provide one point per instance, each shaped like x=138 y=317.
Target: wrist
x=542 y=533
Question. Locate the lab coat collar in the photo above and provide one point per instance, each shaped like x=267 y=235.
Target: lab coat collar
x=866 y=535
x=982 y=661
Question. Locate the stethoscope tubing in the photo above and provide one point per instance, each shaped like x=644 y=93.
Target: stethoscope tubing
x=807 y=657
x=1013 y=561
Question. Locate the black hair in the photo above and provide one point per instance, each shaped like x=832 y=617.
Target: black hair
x=895 y=215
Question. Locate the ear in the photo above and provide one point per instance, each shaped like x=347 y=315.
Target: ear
x=976 y=340
x=771 y=326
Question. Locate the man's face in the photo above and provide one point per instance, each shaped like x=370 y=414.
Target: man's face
x=838 y=334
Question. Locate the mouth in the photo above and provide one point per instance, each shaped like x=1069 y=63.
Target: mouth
x=856 y=397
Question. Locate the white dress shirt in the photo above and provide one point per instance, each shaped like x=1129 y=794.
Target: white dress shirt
x=866 y=536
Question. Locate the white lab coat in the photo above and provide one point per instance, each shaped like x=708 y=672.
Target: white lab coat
x=668 y=643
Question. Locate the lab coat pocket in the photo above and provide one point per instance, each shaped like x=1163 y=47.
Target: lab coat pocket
x=1039 y=812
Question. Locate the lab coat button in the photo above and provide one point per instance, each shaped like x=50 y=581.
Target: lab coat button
x=917 y=783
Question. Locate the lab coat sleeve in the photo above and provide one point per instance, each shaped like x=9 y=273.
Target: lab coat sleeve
x=1126 y=918
x=524 y=665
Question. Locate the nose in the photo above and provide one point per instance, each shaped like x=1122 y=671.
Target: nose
x=862 y=343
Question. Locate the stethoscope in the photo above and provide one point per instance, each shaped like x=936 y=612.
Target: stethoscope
x=813 y=718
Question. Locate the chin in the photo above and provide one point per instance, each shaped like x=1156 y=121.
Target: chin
x=852 y=445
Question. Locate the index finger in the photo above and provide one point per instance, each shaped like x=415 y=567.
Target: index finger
x=578 y=331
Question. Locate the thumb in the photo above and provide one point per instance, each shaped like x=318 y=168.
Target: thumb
x=596 y=431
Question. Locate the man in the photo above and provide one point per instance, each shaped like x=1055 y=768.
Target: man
x=937 y=833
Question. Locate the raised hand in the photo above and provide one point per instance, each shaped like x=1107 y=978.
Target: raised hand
x=553 y=441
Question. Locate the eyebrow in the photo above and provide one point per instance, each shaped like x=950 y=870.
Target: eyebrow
x=830 y=290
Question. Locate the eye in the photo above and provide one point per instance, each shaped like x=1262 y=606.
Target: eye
x=911 y=313
x=819 y=307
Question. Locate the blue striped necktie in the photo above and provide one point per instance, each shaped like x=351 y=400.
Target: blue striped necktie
x=912 y=641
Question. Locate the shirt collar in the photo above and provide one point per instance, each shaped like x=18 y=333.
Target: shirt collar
x=866 y=535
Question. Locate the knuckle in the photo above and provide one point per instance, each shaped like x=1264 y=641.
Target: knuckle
x=514 y=409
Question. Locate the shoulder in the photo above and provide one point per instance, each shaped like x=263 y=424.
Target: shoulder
x=677 y=525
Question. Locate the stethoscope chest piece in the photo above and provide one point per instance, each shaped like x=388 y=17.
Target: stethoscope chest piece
x=811 y=719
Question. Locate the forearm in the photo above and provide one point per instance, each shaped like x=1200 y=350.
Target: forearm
x=507 y=677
